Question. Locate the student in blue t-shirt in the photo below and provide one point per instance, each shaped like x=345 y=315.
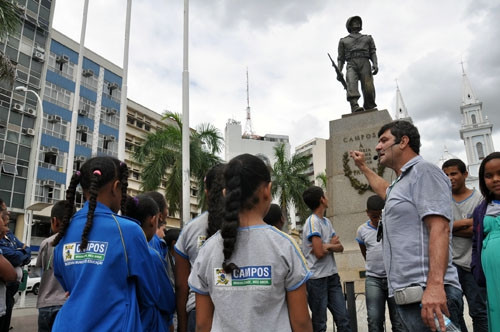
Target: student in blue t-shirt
x=102 y=259
x=157 y=316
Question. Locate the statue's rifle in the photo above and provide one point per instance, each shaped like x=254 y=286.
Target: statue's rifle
x=340 y=77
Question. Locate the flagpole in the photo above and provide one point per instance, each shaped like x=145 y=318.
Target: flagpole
x=123 y=99
x=185 y=122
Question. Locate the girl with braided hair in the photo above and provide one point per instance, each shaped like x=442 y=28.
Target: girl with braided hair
x=192 y=237
x=156 y=316
x=102 y=259
x=249 y=276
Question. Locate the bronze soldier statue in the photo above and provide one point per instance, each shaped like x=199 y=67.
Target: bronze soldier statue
x=357 y=50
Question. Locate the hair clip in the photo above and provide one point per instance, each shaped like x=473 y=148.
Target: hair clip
x=78 y=173
x=136 y=201
x=97 y=172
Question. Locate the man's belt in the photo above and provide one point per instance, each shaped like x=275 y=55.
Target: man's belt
x=357 y=54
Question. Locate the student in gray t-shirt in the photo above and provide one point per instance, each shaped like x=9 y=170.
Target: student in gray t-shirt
x=51 y=295
x=465 y=200
x=376 y=288
x=249 y=276
x=188 y=245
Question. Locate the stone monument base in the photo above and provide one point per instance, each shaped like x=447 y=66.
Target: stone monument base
x=347 y=188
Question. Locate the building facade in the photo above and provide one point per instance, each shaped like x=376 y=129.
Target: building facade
x=316 y=149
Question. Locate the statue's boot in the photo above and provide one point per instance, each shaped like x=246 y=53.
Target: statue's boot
x=356 y=108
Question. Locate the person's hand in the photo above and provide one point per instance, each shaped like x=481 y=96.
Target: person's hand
x=434 y=303
x=358 y=157
x=340 y=77
x=374 y=69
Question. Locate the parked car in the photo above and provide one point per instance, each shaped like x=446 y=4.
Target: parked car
x=33 y=284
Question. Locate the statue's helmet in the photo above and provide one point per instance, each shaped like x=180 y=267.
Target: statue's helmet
x=351 y=20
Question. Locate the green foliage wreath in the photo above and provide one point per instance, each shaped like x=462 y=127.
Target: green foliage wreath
x=355 y=183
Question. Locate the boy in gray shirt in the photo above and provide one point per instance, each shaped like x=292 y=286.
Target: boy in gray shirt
x=51 y=295
x=319 y=242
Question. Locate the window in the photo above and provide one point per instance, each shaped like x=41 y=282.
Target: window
x=110 y=117
x=480 y=151
x=88 y=106
x=47 y=192
x=473 y=118
x=63 y=68
x=51 y=158
x=58 y=95
x=89 y=80
x=56 y=128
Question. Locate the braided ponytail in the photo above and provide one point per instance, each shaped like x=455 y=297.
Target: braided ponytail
x=69 y=207
x=214 y=183
x=93 y=191
x=123 y=171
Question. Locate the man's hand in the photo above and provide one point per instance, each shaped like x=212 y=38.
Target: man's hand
x=374 y=69
x=434 y=303
x=340 y=77
x=359 y=158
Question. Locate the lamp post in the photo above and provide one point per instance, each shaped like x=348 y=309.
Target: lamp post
x=29 y=204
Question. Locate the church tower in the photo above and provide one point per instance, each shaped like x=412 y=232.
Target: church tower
x=476 y=128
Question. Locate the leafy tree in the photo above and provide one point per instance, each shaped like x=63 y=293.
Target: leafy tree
x=9 y=21
x=290 y=179
x=322 y=179
x=161 y=156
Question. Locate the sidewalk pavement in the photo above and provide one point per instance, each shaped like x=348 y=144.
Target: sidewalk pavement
x=24 y=320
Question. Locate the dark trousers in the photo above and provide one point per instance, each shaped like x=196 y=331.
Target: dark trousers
x=325 y=293
x=411 y=313
x=46 y=318
x=476 y=299
x=11 y=290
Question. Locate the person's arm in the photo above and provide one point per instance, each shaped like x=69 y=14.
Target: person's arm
x=204 y=313
x=462 y=228
x=362 y=247
x=341 y=56
x=434 y=297
x=335 y=245
x=318 y=247
x=7 y=271
x=378 y=184
x=182 y=270
x=15 y=256
x=373 y=56
x=298 y=310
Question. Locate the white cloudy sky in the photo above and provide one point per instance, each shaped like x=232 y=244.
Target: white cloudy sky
x=284 y=43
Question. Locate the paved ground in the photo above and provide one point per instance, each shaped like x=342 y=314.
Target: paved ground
x=25 y=319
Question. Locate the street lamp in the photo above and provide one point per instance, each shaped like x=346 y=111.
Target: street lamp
x=30 y=205
x=34 y=156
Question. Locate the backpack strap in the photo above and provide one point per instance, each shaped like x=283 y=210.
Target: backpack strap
x=123 y=244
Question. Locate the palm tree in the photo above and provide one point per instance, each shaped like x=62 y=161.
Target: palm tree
x=161 y=156
x=290 y=179
x=9 y=21
x=322 y=179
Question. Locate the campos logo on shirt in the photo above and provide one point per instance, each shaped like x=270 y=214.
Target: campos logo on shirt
x=245 y=276
x=94 y=254
x=201 y=240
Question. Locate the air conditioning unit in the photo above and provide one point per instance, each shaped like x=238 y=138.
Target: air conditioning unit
x=54 y=118
x=53 y=150
x=83 y=112
x=111 y=111
x=21 y=7
x=82 y=129
x=3 y=123
x=113 y=86
x=109 y=138
x=30 y=112
x=17 y=107
x=62 y=58
x=39 y=48
x=87 y=72
x=39 y=56
x=29 y=131
x=48 y=183
x=80 y=158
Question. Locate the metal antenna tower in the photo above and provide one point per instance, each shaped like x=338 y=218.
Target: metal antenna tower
x=248 y=125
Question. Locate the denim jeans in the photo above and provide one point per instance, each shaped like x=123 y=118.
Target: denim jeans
x=325 y=293
x=46 y=318
x=191 y=323
x=377 y=293
x=476 y=299
x=411 y=313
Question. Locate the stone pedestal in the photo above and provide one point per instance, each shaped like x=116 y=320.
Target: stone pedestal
x=347 y=201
